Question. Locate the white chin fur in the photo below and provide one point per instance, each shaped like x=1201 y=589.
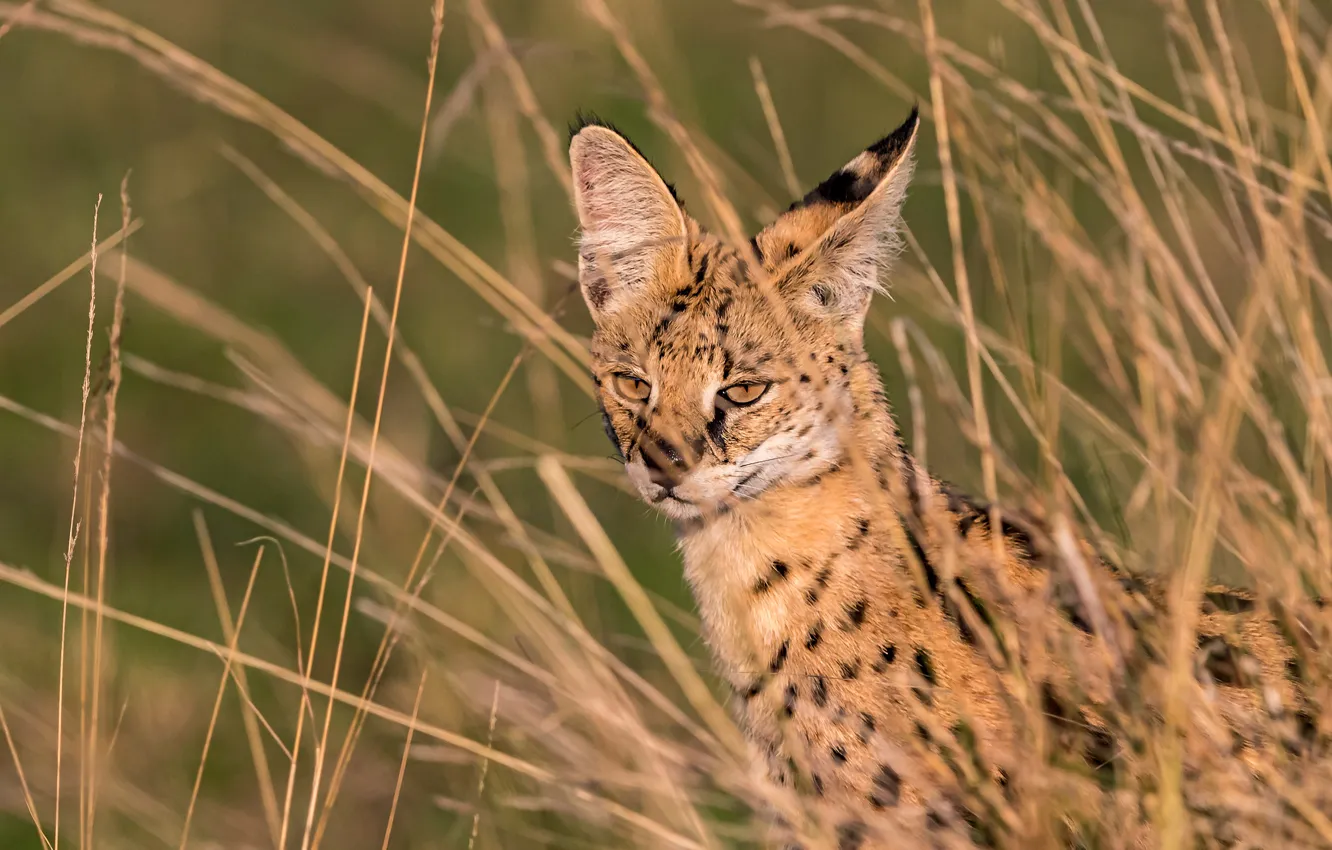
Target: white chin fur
x=678 y=507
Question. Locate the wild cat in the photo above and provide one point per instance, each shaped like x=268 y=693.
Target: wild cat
x=893 y=660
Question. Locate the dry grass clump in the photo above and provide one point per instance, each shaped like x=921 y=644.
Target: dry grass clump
x=1132 y=278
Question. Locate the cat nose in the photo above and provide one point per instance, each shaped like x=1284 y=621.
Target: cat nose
x=663 y=479
x=666 y=463
x=663 y=461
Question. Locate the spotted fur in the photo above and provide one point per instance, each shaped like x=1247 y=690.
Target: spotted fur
x=852 y=602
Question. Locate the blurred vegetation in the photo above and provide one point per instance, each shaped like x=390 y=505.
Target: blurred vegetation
x=75 y=118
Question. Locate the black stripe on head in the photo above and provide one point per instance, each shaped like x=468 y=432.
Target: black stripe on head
x=701 y=274
x=756 y=248
x=610 y=431
x=716 y=428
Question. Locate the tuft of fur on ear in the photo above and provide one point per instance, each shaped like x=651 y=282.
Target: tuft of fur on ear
x=831 y=248
x=630 y=220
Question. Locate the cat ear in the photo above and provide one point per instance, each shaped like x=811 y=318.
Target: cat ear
x=829 y=249
x=631 y=222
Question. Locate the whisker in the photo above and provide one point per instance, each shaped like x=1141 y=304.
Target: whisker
x=765 y=460
x=584 y=419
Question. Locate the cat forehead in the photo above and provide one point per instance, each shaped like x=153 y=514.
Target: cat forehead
x=712 y=313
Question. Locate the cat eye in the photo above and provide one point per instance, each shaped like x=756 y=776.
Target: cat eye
x=634 y=389
x=745 y=393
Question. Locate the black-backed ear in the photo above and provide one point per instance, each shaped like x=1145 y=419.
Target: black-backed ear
x=830 y=249
x=631 y=223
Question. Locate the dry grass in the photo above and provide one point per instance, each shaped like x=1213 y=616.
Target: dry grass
x=1137 y=291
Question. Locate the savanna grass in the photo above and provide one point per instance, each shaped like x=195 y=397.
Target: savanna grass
x=1114 y=308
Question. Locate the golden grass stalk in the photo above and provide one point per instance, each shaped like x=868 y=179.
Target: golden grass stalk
x=775 y=127
x=436 y=30
x=233 y=641
x=323 y=575
x=1188 y=363
x=617 y=572
x=23 y=781
x=104 y=511
x=485 y=766
x=250 y=715
x=406 y=753
x=73 y=510
x=54 y=282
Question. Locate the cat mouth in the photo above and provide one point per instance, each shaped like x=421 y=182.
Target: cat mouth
x=664 y=495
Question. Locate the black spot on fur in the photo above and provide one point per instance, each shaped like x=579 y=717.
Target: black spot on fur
x=779 y=660
x=838 y=752
x=780 y=570
x=753 y=690
x=1221 y=660
x=925 y=665
x=814 y=637
x=850 y=835
x=858 y=537
x=820 y=692
x=789 y=700
x=887 y=788
x=850 y=669
x=887 y=655
x=926 y=668
x=855 y=614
